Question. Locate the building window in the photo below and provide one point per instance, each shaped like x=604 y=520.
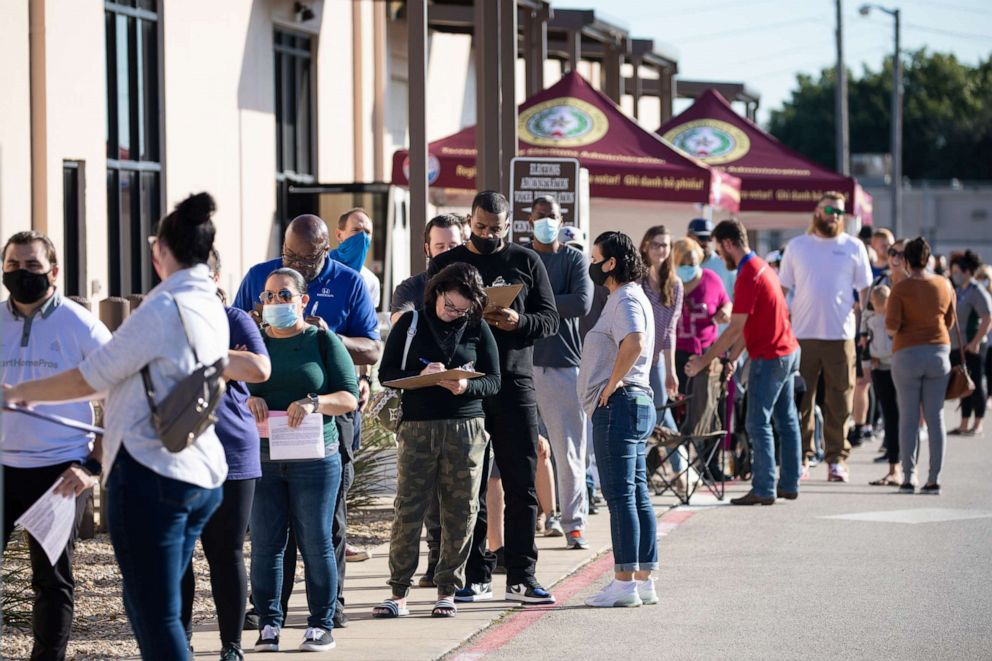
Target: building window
x=73 y=228
x=134 y=167
x=294 y=115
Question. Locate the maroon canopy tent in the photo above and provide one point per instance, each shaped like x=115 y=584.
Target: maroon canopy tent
x=570 y=119
x=773 y=177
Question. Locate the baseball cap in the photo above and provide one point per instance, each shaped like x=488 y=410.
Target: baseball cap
x=701 y=227
x=572 y=235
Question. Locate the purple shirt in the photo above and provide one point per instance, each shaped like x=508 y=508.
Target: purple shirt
x=696 y=329
x=235 y=425
x=665 y=318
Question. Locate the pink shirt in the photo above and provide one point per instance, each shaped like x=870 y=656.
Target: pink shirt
x=697 y=330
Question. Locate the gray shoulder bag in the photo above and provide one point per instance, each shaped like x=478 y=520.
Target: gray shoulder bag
x=188 y=410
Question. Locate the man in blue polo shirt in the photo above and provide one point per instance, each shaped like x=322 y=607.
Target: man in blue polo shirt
x=339 y=302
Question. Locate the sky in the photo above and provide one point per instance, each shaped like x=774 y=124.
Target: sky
x=765 y=43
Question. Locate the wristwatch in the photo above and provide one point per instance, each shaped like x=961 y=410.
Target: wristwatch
x=366 y=378
x=315 y=400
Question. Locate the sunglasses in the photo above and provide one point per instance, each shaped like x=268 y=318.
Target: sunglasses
x=283 y=296
x=451 y=308
x=897 y=253
x=833 y=211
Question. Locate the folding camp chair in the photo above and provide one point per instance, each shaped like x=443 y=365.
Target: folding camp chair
x=699 y=437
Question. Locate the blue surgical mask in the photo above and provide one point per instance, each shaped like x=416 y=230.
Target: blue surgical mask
x=280 y=315
x=353 y=250
x=546 y=230
x=687 y=272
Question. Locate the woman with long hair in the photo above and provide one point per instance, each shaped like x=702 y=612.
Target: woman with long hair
x=615 y=390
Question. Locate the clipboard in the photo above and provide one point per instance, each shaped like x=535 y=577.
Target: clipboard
x=502 y=296
x=56 y=419
x=428 y=380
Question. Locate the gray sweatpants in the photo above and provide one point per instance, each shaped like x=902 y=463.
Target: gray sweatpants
x=562 y=413
x=920 y=374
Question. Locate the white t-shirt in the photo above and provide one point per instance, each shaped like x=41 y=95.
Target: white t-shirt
x=373 y=287
x=58 y=337
x=824 y=275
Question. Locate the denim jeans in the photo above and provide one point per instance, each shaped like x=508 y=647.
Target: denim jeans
x=303 y=492
x=154 y=522
x=677 y=459
x=770 y=398
x=619 y=430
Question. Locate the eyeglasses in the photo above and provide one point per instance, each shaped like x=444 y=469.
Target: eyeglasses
x=655 y=245
x=451 y=308
x=303 y=260
x=283 y=296
x=833 y=211
x=897 y=253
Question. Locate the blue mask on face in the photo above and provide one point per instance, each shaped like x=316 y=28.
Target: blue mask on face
x=353 y=250
x=280 y=315
x=546 y=230
x=687 y=272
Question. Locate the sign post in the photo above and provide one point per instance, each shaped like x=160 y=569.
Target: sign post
x=530 y=178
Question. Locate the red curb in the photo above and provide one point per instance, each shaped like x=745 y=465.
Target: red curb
x=518 y=621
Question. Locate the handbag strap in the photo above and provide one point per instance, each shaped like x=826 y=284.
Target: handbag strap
x=957 y=324
x=409 y=337
x=146 y=376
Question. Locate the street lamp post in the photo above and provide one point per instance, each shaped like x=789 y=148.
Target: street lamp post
x=896 y=140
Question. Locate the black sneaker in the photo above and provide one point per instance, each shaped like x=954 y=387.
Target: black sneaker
x=907 y=487
x=529 y=593
x=930 y=490
x=340 y=619
x=475 y=592
x=268 y=640
x=232 y=652
x=317 y=640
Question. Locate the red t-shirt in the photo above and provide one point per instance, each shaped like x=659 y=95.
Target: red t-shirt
x=758 y=294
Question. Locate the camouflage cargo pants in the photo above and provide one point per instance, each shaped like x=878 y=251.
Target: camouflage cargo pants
x=448 y=454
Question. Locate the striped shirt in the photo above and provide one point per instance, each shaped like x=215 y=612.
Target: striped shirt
x=665 y=318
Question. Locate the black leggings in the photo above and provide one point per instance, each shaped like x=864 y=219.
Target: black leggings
x=885 y=391
x=223 y=541
x=973 y=404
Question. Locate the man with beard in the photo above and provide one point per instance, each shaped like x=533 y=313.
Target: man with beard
x=511 y=415
x=760 y=323
x=340 y=302
x=825 y=268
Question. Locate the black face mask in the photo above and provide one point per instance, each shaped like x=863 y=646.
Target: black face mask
x=26 y=286
x=597 y=274
x=485 y=246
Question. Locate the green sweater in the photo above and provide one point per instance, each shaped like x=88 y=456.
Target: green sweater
x=299 y=368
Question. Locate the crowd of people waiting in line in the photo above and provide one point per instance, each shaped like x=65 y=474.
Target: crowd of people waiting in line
x=578 y=369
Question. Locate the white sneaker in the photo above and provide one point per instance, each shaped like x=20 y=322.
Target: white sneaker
x=317 y=640
x=616 y=594
x=646 y=591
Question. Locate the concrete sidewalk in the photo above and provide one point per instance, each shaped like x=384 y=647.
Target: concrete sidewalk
x=418 y=636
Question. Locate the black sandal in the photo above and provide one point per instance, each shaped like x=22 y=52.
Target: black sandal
x=445 y=607
x=389 y=609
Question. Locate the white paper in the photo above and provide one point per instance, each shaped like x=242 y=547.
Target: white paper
x=303 y=442
x=50 y=522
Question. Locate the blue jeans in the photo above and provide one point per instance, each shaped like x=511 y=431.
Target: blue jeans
x=618 y=433
x=303 y=492
x=770 y=397
x=154 y=522
x=677 y=459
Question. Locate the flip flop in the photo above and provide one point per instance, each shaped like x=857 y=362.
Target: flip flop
x=444 y=607
x=885 y=482
x=391 y=608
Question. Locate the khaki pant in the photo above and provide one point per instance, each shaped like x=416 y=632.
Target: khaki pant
x=436 y=458
x=834 y=359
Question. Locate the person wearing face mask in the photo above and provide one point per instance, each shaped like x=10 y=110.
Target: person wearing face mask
x=35 y=454
x=701 y=231
x=441 y=234
x=760 y=324
x=614 y=386
x=339 y=301
x=974 y=308
x=556 y=369
x=354 y=237
x=825 y=268
x=156 y=501
x=311 y=373
x=511 y=414
x=442 y=440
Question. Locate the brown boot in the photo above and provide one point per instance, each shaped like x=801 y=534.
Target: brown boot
x=751 y=498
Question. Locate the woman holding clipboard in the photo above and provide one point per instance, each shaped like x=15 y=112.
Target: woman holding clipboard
x=311 y=373
x=442 y=438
